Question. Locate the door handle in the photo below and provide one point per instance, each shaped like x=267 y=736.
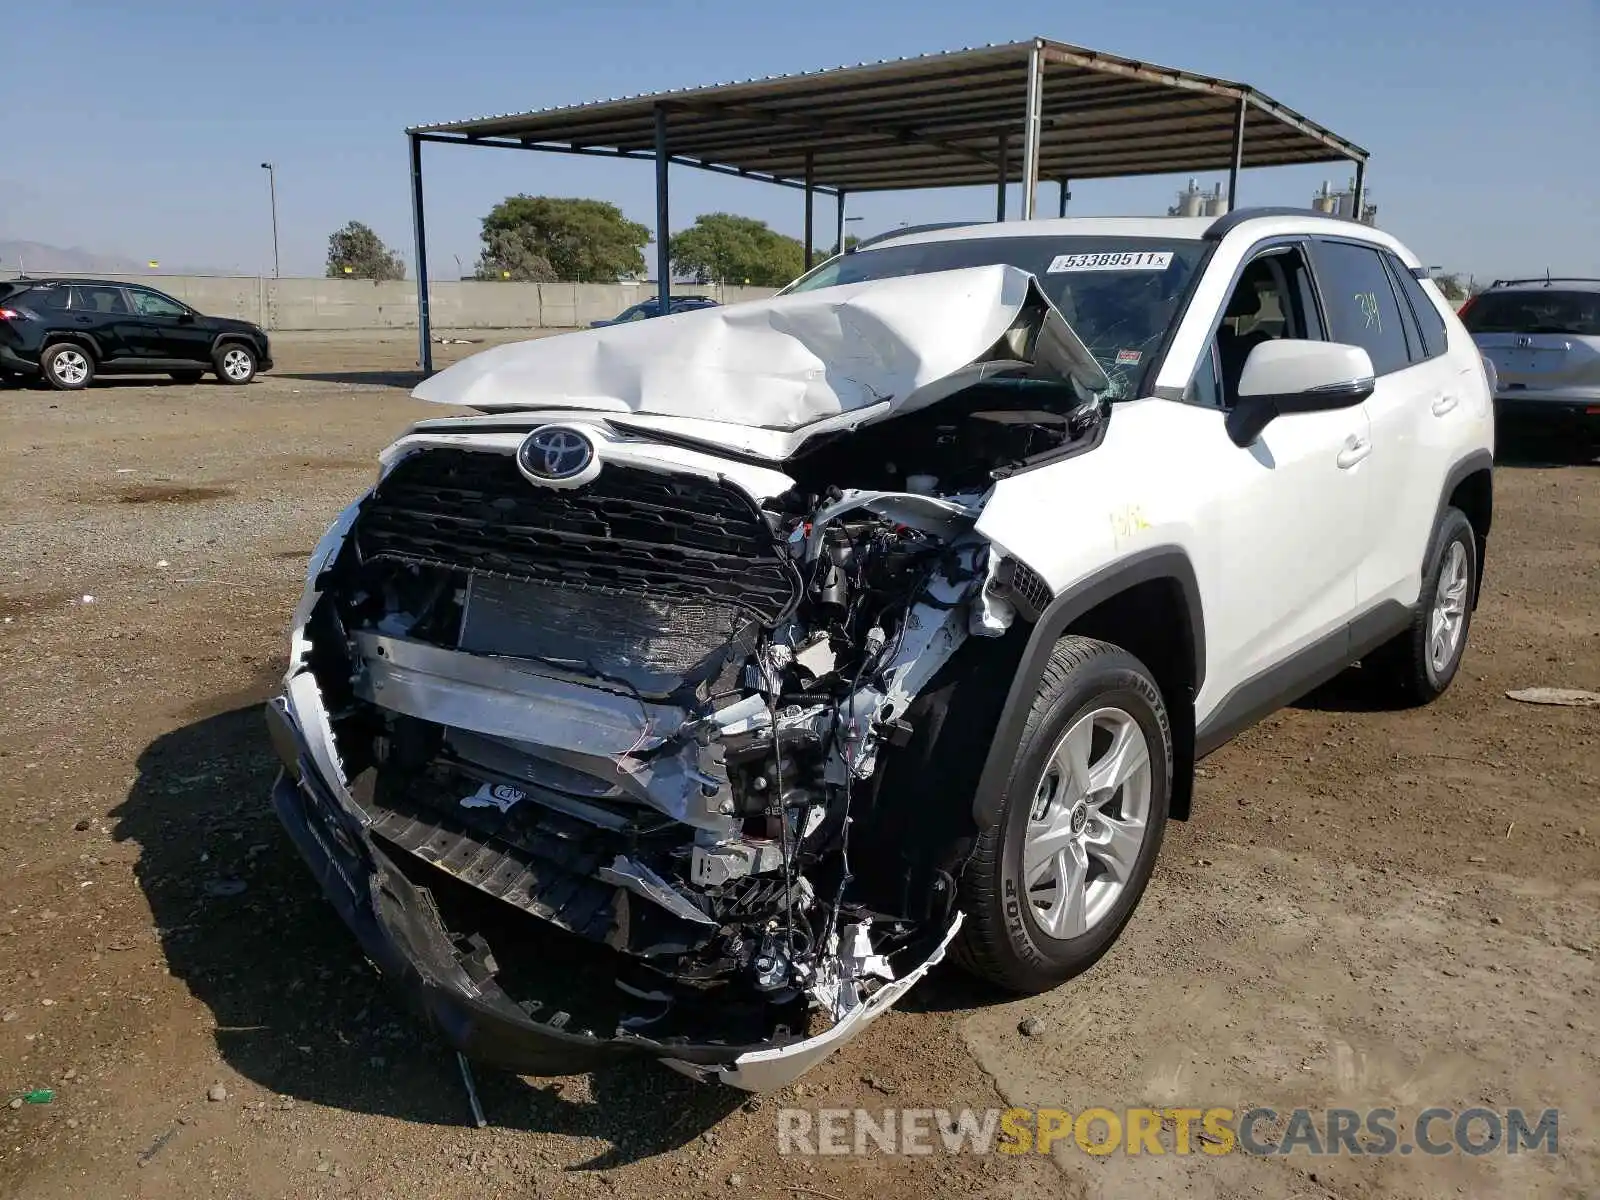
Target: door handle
x=1443 y=404
x=1355 y=449
x=85 y=320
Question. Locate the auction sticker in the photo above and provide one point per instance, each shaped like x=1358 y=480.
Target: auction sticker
x=1116 y=260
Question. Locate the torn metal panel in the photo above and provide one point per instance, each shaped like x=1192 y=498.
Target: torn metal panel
x=769 y=1070
x=642 y=881
x=791 y=361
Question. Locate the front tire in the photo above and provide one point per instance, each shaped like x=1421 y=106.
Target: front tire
x=235 y=363
x=67 y=367
x=1050 y=885
x=1418 y=665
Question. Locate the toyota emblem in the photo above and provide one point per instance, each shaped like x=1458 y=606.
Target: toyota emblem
x=559 y=455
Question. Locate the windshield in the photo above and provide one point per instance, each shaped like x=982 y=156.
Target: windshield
x=1538 y=311
x=1119 y=294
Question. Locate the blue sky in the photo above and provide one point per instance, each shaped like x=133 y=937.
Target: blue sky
x=137 y=128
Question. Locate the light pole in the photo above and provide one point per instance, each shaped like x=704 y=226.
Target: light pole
x=844 y=231
x=272 y=188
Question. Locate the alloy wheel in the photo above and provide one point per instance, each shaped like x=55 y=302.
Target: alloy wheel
x=236 y=364
x=1088 y=821
x=1449 y=617
x=70 y=367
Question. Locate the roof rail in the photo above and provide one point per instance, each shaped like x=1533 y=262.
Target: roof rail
x=1547 y=280
x=908 y=229
x=1228 y=222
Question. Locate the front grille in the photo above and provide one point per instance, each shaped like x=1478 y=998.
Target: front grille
x=629 y=532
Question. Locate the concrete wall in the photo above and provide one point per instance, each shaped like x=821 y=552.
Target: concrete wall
x=335 y=304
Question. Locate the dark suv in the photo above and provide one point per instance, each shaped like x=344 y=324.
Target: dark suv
x=647 y=309
x=67 y=331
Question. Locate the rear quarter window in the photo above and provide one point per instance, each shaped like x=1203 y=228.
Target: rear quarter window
x=1434 y=336
x=34 y=297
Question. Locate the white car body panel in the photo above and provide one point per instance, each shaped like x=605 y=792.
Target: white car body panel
x=1267 y=529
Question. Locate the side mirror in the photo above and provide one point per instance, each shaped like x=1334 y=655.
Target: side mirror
x=186 y=318
x=1288 y=376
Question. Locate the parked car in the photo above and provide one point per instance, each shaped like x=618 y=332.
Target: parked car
x=753 y=664
x=67 y=331
x=646 y=309
x=1543 y=338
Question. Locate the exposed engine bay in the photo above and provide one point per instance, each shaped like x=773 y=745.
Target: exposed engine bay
x=583 y=681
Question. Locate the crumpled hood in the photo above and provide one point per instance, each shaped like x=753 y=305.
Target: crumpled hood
x=789 y=361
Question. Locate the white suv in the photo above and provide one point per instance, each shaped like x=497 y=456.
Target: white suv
x=693 y=697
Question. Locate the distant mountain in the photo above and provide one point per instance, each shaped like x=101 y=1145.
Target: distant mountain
x=37 y=258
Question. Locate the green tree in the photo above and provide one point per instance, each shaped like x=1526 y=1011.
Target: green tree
x=1452 y=287
x=513 y=254
x=724 y=248
x=543 y=238
x=358 y=253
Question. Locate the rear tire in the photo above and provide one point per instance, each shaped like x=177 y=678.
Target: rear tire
x=1417 y=666
x=235 y=363
x=186 y=376
x=67 y=367
x=1050 y=885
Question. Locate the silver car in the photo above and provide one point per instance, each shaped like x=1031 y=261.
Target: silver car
x=1543 y=337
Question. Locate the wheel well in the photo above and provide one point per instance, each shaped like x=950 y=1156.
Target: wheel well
x=1474 y=496
x=229 y=339
x=82 y=341
x=1151 y=621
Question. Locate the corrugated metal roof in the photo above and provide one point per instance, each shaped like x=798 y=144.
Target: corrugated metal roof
x=934 y=121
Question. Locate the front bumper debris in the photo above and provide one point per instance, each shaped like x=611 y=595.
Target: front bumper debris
x=401 y=931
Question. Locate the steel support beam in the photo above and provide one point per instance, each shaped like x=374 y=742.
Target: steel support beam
x=677 y=160
x=812 y=125
x=811 y=170
x=663 y=221
x=1000 y=188
x=424 y=321
x=1032 y=129
x=1238 y=152
x=839 y=241
x=1360 y=197
x=1063 y=197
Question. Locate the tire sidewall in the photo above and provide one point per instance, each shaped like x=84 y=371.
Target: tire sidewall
x=1453 y=528
x=1116 y=681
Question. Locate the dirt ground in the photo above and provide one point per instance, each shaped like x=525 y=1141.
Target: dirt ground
x=1367 y=909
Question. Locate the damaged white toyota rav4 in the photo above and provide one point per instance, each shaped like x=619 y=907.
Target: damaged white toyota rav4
x=720 y=674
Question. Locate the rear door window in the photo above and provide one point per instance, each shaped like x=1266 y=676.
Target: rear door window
x=1361 y=305
x=91 y=298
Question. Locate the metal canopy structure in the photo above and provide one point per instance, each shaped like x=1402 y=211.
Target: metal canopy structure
x=1025 y=112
